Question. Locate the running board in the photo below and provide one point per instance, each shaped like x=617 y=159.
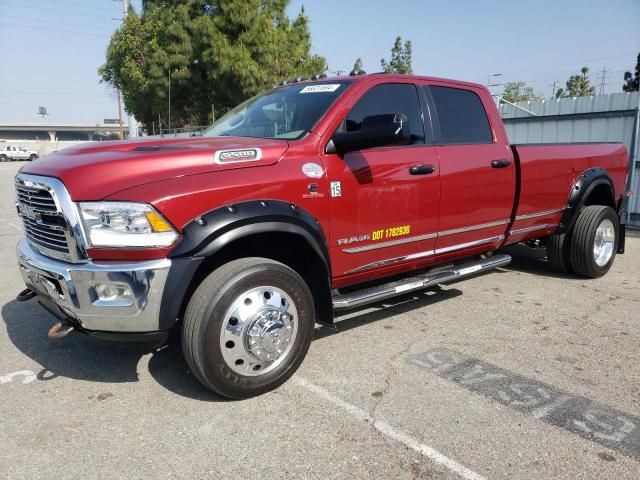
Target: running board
x=398 y=287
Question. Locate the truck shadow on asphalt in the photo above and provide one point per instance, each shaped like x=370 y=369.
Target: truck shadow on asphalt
x=81 y=358
x=532 y=260
x=384 y=310
x=78 y=357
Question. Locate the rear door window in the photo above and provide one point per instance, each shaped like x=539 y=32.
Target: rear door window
x=461 y=116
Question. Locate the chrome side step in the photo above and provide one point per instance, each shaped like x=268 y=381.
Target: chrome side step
x=398 y=287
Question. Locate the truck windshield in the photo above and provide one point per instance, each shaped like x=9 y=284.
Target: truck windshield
x=287 y=112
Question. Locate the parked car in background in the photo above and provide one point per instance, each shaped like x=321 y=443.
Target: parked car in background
x=11 y=152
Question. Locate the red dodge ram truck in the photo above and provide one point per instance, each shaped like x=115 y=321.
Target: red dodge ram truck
x=314 y=197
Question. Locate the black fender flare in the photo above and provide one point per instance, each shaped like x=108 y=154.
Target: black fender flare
x=212 y=231
x=584 y=185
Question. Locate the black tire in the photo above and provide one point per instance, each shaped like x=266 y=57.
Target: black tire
x=583 y=237
x=3 y=158
x=33 y=157
x=211 y=302
x=558 y=251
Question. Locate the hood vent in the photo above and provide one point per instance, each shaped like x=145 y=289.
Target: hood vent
x=156 y=148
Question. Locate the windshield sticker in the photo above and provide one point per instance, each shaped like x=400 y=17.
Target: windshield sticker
x=322 y=88
x=312 y=170
x=235 y=156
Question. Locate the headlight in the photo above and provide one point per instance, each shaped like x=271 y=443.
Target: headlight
x=124 y=224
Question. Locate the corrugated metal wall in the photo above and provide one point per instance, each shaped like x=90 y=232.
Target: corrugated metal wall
x=601 y=118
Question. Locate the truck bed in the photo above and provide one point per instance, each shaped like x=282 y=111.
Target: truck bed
x=547 y=172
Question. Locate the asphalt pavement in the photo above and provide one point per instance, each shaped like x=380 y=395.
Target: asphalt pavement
x=516 y=374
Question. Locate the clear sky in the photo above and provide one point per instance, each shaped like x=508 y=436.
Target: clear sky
x=50 y=50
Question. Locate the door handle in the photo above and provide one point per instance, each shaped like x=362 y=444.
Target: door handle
x=422 y=170
x=500 y=163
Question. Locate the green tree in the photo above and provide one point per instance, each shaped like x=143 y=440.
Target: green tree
x=358 y=65
x=215 y=53
x=577 y=86
x=400 y=58
x=515 y=92
x=631 y=83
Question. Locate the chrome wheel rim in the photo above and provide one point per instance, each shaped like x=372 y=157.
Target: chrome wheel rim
x=603 y=242
x=258 y=331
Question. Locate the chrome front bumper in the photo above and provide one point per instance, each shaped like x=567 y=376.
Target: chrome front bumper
x=99 y=296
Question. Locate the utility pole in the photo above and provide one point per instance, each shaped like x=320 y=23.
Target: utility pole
x=491 y=75
x=553 y=87
x=120 y=117
x=603 y=78
x=125 y=7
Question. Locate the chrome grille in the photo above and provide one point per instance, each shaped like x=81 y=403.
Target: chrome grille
x=44 y=223
x=45 y=235
x=37 y=199
x=50 y=218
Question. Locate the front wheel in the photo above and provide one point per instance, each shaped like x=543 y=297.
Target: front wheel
x=33 y=157
x=247 y=327
x=594 y=241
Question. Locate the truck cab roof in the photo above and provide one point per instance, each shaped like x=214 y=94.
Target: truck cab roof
x=359 y=78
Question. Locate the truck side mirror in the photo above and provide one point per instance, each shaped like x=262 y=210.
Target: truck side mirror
x=375 y=131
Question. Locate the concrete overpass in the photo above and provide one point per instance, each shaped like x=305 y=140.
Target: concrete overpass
x=44 y=131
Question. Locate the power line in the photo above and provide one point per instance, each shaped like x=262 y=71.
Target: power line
x=555 y=77
x=45 y=95
x=548 y=67
x=48 y=21
x=56 y=10
x=81 y=5
x=54 y=30
x=572 y=63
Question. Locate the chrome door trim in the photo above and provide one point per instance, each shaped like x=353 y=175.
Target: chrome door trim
x=469 y=244
x=473 y=227
x=427 y=253
x=390 y=243
x=391 y=261
x=539 y=214
x=531 y=229
x=428 y=236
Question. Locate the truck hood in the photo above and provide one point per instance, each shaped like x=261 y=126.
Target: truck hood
x=93 y=171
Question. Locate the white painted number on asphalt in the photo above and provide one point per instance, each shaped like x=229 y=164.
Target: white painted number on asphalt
x=580 y=415
x=28 y=376
x=600 y=426
x=479 y=375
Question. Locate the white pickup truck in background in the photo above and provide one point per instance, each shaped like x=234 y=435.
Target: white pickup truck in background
x=11 y=152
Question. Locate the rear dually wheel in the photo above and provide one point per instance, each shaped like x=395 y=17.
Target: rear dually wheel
x=594 y=241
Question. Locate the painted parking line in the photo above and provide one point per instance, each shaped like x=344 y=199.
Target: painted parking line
x=601 y=424
x=390 y=432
